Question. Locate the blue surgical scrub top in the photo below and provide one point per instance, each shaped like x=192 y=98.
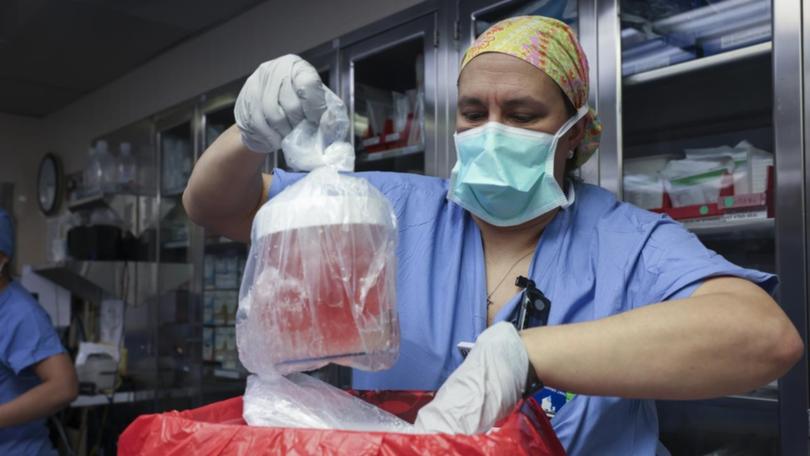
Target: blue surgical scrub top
x=26 y=338
x=596 y=258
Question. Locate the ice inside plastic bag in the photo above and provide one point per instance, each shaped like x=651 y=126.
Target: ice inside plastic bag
x=299 y=400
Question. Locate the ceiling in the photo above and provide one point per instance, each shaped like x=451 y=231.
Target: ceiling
x=54 y=51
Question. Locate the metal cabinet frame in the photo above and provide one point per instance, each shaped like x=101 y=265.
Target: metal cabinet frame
x=791 y=20
x=185 y=113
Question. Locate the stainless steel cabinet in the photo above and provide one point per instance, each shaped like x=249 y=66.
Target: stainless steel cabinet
x=135 y=204
x=699 y=105
x=176 y=320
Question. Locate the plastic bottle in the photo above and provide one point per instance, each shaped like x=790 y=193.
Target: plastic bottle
x=125 y=174
x=107 y=179
x=92 y=173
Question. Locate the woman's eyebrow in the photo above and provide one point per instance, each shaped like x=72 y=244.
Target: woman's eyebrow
x=524 y=102
x=470 y=102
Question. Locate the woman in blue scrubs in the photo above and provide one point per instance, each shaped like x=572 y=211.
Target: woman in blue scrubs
x=37 y=377
x=640 y=309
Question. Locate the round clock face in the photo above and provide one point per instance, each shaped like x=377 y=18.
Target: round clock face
x=48 y=184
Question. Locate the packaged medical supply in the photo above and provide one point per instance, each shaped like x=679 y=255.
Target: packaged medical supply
x=643 y=185
x=750 y=164
x=696 y=181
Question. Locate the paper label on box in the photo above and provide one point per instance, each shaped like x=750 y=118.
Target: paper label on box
x=208 y=308
x=208 y=274
x=220 y=344
x=220 y=308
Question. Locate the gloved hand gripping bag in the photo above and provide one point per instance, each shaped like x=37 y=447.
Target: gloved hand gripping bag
x=319 y=283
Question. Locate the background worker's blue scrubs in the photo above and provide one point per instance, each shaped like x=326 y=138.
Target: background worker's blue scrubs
x=598 y=257
x=26 y=338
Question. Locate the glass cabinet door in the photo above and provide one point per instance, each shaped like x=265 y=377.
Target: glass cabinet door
x=222 y=264
x=132 y=203
x=697 y=143
x=176 y=332
x=390 y=88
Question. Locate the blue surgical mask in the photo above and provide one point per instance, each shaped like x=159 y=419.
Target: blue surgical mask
x=505 y=175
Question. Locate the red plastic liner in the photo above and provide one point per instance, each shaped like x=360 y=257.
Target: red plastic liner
x=218 y=429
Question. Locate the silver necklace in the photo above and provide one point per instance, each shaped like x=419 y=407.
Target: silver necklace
x=489 y=296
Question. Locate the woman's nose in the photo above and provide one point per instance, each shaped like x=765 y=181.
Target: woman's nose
x=495 y=116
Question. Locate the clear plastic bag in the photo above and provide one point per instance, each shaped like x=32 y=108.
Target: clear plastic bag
x=301 y=401
x=319 y=283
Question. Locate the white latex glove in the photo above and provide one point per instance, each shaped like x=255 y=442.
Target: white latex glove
x=275 y=98
x=484 y=388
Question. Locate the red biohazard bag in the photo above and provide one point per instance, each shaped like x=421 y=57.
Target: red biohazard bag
x=218 y=429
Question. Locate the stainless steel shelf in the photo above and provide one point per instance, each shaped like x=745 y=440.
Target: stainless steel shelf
x=112 y=200
x=227 y=373
x=118 y=398
x=74 y=277
x=121 y=397
x=393 y=153
x=714 y=228
x=88 y=202
x=699 y=64
x=175 y=244
x=224 y=244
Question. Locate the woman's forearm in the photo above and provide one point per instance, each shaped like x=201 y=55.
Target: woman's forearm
x=39 y=402
x=58 y=389
x=729 y=337
x=226 y=187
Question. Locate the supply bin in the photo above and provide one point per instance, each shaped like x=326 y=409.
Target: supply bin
x=218 y=429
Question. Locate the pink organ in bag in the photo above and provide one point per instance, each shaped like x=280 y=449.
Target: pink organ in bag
x=319 y=285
